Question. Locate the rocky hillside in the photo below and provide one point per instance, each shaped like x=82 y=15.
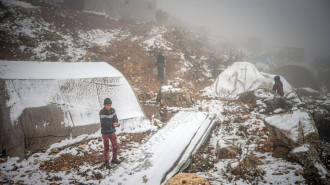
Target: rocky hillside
x=42 y=32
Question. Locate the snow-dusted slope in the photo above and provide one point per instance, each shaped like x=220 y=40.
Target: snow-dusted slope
x=241 y=77
x=77 y=88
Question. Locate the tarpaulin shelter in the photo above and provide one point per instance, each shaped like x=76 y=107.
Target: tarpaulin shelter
x=44 y=102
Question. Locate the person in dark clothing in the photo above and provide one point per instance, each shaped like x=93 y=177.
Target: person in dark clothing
x=278 y=86
x=109 y=121
x=160 y=62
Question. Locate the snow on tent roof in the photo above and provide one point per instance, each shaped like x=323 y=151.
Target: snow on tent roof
x=241 y=77
x=77 y=88
x=56 y=70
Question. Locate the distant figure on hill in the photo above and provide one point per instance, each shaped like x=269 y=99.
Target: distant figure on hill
x=278 y=86
x=160 y=62
x=109 y=121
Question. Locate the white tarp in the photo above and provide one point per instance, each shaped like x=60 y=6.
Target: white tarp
x=241 y=77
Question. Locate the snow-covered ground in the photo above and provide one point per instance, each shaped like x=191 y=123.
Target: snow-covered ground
x=151 y=161
x=156 y=158
x=75 y=48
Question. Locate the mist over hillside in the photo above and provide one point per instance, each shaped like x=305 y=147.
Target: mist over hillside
x=298 y=24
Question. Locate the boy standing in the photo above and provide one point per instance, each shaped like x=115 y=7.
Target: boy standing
x=160 y=63
x=109 y=121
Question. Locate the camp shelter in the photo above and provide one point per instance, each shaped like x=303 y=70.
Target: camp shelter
x=45 y=102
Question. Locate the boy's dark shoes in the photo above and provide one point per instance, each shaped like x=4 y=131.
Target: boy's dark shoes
x=107 y=165
x=115 y=161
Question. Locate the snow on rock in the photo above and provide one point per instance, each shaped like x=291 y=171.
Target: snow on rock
x=308 y=94
x=293 y=128
x=187 y=178
x=170 y=88
x=228 y=134
x=261 y=93
x=276 y=111
x=308 y=157
x=101 y=37
x=156 y=40
x=322 y=171
x=174 y=97
x=294 y=99
x=302 y=148
x=27 y=26
x=15 y=3
x=241 y=77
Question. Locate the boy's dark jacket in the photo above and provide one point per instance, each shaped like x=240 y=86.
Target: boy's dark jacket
x=107 y=119
x=160 y=59
x=278 y=87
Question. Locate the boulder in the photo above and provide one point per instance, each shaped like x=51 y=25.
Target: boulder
x=308 y=93
x=314 y=171
x=101 y=49
x=292 y=129
x=52 y=36
x=264 y=99
x=321 y=117
x=174 y=97
x=281 y=152
x=318 y=105
x=144 y=96
x=131 y=67
x=247 y=97
x=294 y=100
x=229 y=152
x=187 y=179
x=29 y=41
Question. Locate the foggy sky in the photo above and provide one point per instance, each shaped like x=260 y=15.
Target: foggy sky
x=288 y=23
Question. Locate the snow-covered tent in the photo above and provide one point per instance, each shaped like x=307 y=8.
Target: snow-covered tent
x=241 y=77
x=45 y=102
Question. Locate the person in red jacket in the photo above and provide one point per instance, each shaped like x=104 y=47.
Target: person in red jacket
x=278 y=86
x=109 y=121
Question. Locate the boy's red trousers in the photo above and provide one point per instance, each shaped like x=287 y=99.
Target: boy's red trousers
x=113 y=139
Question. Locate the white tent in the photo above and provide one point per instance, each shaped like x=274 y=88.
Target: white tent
x=241 y=77
x=48 y=97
